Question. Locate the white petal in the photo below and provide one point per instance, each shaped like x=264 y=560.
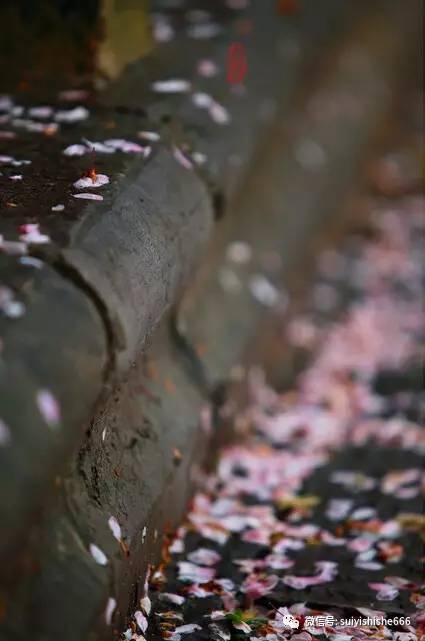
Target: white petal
x=176 y=599
x=87 y=196
x=72 y=115
x=48 y=407
x=146 y=605
x=115 y=528
x=76 y=150
x=86 y=182
x=171 y=86
x=263 y=290
x=126 y=146
x=185 y=629
x=182 y=159
x=40 y=112
x=99 y=556
x=202 y=100
x=4 y=433
x=109 y=610
x=219 y=114
x=141 y=621
x=239 y=252
x=151 y=136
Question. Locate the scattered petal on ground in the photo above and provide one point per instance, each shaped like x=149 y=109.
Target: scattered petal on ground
x=109 y=610
x=182 y=158
x=256 y=502
x=88 y=196
x=72 y=115
x=115 y=527
x=76 y=150
x=86 y=182
x=151 y=136
x=171 y=86
x=5 y=434
x=99 y=556
x=48 y=407
x=30 y=233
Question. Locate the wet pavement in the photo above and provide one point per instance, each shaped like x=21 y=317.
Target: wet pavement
x=40 y=170
x=314 y=516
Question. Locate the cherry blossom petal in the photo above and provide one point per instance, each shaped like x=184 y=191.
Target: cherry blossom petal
x=127 y=146
x=5 y=434
x=87 y=183
x=146 y=605
x=176 y=599
x=186 y=629
x=182 y=159
x=385 y=591
x=88 y=196
x=256 y=587
x=150 y=136
x=327 y=572
x=192 y=572
x=110 y=609
x=30 y=233
x=171 y=86
x=204 y=556
x=72 y=115
x=99 y=556
x=207 y=68
x=76 y=150
x=141 y=621
x=219 y=114
x=48 y=407
x=115 y=527
x=242 y=626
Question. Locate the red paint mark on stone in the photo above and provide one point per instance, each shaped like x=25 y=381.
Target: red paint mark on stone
x=285 y=7
x=237 y=65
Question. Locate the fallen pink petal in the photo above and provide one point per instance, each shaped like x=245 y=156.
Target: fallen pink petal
x=30 y=233
x=141 y=621
x=171 y=86
x=176 y=599
x=5 y=434
x=182 y=158
x=150 y=136
x=88 y=196
x=186 y=629
x=204 y=556
x=88 y=183
x=115 y=528
x=207 y=68
x=48 y=407
x=127 y=146
x=109 y=610
x=327 y=571
x=98 y=554
x=72 y=115
x=76 y=150
x=384 y=591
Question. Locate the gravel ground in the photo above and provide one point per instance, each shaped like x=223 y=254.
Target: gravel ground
x=315 y=516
